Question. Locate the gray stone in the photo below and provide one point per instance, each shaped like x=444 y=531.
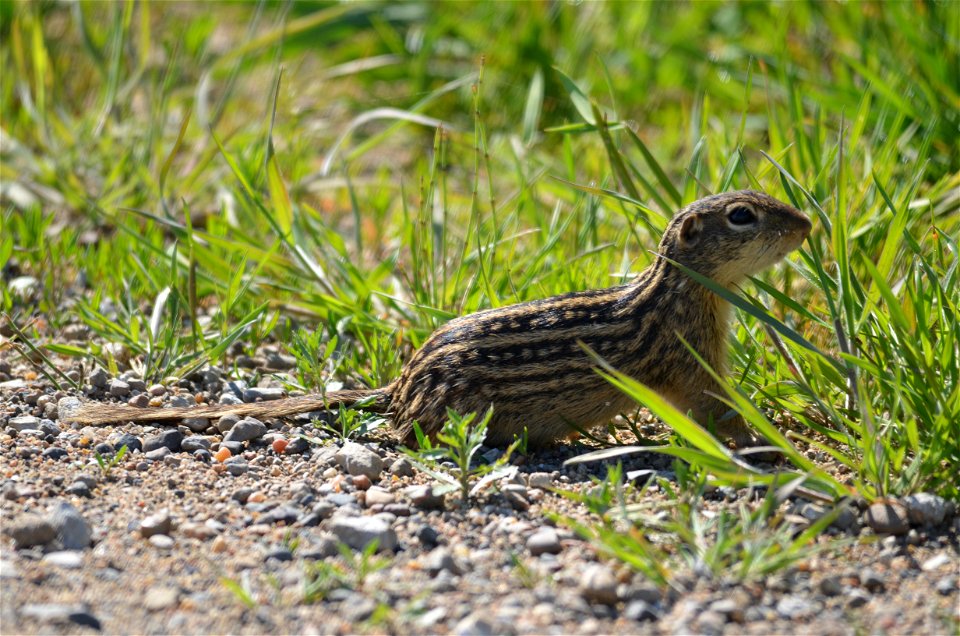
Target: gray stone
x=475 y=625
x=710 y=622
x=793 y=607
x=402 y=468
x=157 y=454
x=67 y=559
x=358 y=532
x=196 y=424
x=598 y=585
x=24 y=423
x=871 y=580
x=158 y=523
x=887 y=518
x=422 y=496
x=58 y=613
x=947 y=585
x=544 y=541
x=171 y=438
x=357 y=459
x=99 y=378
x=119 y=388
x=244 y=430
x=29 y=530
x=543 y=481
x=262 y=394
x=641 y=611
x=195 y=442
x=831 y=586
x=285 y=514
x=439 y=560
x=857 y=598
x=237 y=466
x=72 y=529
x=926 y=509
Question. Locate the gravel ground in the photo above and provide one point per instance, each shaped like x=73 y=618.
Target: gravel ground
x=173 y=540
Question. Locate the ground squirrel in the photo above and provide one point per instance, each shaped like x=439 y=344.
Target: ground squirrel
x=528 y=362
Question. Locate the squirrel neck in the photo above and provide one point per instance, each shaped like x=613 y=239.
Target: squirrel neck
x=665 y=298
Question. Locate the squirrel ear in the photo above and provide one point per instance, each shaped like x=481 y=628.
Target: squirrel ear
x=690 y=229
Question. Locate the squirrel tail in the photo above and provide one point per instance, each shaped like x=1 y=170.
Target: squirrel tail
x=95 y=413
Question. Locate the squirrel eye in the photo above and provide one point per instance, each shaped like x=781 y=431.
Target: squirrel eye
x=741 y=215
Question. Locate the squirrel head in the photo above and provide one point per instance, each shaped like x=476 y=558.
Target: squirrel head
x=730 y=236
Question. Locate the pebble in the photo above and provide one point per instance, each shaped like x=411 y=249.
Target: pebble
x=72 y=529
x=196 y=424
x=710 y=622
x=262 y=394
x=159 y=523
x=377 y=495
x=161 y=597
x=139 y=401
x=440 y=559
x=78 y=489
x=543 y=481
x=475 y=625
x=132 y=442
x=831 y=586
x=54 y=453
x=423 y=497
x=946 y=585
x=358 y=532
x=171 y=438
x=25 y=423
x=598 y=584
x=794 y=607
x=67 y=559
x=926 y=509
x=226 y=422
x=887 y=518
x=29 y=530
x=285 y=514
x=641 y=611
x=402 y=468
x=66 y=406
x=935 y=562
x=872 y=581
x=296 y=446
x=157 y=454
x=428 y=536
x=237 y=466
x=357 y=459
x=99 y=378
x=544 y=541
x=234 y=448
x=161 y=541
x=244 y=430
x=279 y=554
x=119 y=388
x=194 y=443
x=857 y=598
x=8 y=570
x=60 y=613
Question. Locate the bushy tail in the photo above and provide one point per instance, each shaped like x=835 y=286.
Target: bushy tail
x=95 y=413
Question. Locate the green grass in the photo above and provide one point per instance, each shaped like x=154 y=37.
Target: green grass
x=189 y=186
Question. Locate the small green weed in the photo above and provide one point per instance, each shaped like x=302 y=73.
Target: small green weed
x=450 y=461
x=107 y=465
x=349 y=572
